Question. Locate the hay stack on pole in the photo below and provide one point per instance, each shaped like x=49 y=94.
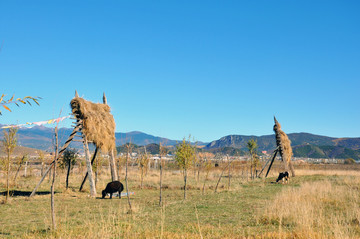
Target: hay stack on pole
x=284 y=147
x=98 y=127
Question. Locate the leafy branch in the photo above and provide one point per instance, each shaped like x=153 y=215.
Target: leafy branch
x=17 y=101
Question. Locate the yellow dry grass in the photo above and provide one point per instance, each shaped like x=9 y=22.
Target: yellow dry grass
x=320 y=209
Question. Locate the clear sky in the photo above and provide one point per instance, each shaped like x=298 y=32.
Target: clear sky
x=174 y=68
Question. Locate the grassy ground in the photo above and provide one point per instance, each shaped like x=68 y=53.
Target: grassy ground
x=315 y=204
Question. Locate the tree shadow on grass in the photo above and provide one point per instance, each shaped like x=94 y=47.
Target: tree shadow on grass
x=17 y=193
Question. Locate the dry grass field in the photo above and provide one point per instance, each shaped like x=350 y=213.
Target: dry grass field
x=322 y=201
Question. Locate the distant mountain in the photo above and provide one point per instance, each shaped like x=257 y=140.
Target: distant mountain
x=41 y=137
x=267 y=142
x=140 y=138
x=20 y=151
x=314 y=151
x=150 y=148
x=304 y=145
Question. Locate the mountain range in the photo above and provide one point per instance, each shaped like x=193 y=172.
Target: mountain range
x=41 y=137
x=267 y=142
x=304 y=144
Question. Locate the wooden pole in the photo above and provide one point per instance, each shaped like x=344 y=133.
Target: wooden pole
x=272 y=161
x=68 y=141
x=89 y=167
x=92 y=161
x=161 y=171
x=229 y=173
x=129 y=150
x=114 y=175
x=53 y=182
x=267 y=163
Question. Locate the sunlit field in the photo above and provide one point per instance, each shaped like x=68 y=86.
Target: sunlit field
x=322 y=201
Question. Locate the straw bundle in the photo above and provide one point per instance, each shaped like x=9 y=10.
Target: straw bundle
x=284 y=144
x=98 y=122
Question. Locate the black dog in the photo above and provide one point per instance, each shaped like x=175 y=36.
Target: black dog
x=284 y=177
x=113 y=187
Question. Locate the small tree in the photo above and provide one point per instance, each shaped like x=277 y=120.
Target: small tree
x=20 y=163
x=9 y=143
x=185 y=156
x=254 y=160
x=208 y=166
x=143 y=163
x=97 y=166
x=120 y=161
x=41 y=157
x=68 y=160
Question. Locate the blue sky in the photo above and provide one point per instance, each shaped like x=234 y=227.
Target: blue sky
x=174 y=68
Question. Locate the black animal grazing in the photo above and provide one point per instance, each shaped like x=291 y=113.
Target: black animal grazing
x=112 y=187
x=284 y=177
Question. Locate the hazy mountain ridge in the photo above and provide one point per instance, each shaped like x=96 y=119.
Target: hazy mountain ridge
x=304 y=144
x=41 y=137
x=267 y=142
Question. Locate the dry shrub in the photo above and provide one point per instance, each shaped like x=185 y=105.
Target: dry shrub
x=317 y=210
x=98 y=122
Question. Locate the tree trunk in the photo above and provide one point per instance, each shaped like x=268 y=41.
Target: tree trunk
x=161 y=170
x=52 y=198
x=126 y=182
x=42 y=168
x=198 y=173
x=7 y=177
x=229 y=182
x=206 y=177
x=53 y=182
x=68 y=173
x=251 y=168
x=141 y=177
x=185 y=181
x=25 y=171
x=114 y=175
x=18 y=170
x=119 y=169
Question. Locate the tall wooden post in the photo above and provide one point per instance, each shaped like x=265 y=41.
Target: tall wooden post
x=114 y=175
x=92 y=162
x=89 y=167
x=53 y=218
x=161 y=171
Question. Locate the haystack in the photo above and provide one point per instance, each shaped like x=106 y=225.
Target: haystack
x=98 y=122
x=284 y=144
